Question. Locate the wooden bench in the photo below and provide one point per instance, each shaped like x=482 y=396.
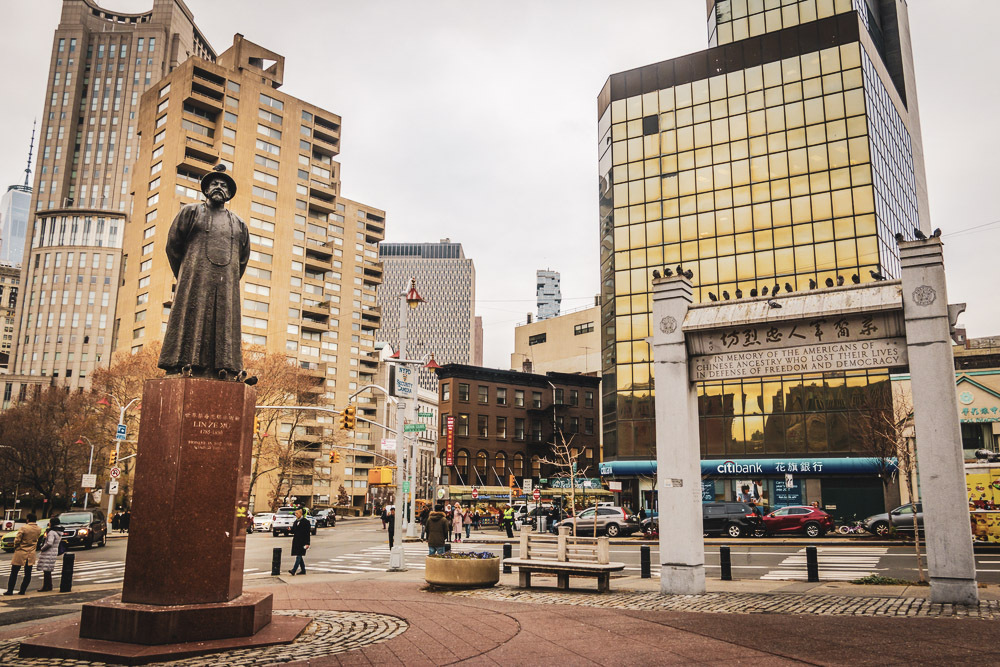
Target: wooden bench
x=564 y=556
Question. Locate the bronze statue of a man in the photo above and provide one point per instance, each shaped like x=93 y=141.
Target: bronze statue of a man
x=208 y=248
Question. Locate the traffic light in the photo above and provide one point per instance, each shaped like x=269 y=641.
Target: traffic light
x=347 y=418
x=112 y=459
x=333 y=456
x=256 y=425
x=513 y=482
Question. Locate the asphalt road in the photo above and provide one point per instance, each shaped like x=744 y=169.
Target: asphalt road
x=361 y=545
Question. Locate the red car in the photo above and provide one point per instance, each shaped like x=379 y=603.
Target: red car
x=809 y=520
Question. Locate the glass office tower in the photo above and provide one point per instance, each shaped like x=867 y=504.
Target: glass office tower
x=787 y=152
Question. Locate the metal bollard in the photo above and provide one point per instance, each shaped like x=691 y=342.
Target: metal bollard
x=812 y=564
x=644 y=562
x=508 y=551
x=275 y=561
x=726 y=563
x=66 y=578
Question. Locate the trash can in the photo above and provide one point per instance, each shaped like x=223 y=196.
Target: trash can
x=542 y=523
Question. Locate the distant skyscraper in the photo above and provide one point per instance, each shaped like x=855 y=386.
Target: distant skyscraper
x=445 y=324
x=477 y=357
x=15 y=205
x=547 y=293
x=101 y=63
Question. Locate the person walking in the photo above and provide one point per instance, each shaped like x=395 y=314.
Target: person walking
x=476 y=519
x=508 y=520
x=424 y=514
x=24 y=554
x=456 y=523
x=50 y=550
x=390 y=519
x=438 y=528
x=300 y=541
x=116 y=522
x=384 y=516
x=126 y=520
x=467 y=522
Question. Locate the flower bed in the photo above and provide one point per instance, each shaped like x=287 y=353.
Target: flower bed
x=463 y=570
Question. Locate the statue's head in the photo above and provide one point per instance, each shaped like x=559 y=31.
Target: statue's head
x=217 y=184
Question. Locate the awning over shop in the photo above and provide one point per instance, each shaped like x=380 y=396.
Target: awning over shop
x=776 y=466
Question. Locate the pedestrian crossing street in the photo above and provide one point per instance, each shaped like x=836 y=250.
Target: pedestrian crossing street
x=376 y=559
x=835 y=564
x=98 y=572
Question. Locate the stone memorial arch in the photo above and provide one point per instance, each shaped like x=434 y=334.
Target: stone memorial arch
x=885 y=324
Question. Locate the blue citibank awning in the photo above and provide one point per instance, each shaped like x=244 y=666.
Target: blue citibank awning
x=743 y=467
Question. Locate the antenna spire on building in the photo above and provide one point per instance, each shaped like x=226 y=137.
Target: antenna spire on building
x=31 y=147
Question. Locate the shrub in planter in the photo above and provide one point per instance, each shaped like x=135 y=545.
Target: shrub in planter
x=463 y=570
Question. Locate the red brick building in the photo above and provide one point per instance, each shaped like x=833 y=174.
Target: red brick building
x=506 y=422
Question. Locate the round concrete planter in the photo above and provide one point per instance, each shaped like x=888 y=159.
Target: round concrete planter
x=462 y=572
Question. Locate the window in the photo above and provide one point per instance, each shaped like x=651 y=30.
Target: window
x=560 y=397
x=518 y=466
x=536 y=399
x=462 y=462
x=536 y=466
x=500 y=468
x=519 y=428
x=588 y=425
x=481 y=463
x=463 y=391
x=484 y=394
x=501 y=427
x=588 y=399
x=445 y=391
x=536 y=339
x=584 y=328
x=518 y=398
x=462 y=425
x=574 y=397
x=482 y=426
x=574 y=424
x=536 y=430
x=501 y=396
x=271 y=102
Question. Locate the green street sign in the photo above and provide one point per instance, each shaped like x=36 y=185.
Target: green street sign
x=425 y=414
x=406 y=487
x=414 y=428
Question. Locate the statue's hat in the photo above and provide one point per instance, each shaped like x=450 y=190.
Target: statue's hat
x=219 y=172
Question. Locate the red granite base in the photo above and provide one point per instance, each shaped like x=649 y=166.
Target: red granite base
x=111 y=619
x=66 y=642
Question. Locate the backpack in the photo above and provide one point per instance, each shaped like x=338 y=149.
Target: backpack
x=62 y=548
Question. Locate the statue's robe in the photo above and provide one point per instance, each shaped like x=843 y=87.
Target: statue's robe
x=208 y=253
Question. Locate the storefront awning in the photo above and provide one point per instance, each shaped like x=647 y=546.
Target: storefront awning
x=776 y=466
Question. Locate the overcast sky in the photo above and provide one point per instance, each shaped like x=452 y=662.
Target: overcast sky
x=477 y=121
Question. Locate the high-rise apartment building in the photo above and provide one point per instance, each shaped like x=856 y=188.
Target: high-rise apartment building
x=102 y=61
x=547 y=293
x=445 y=324
x=309 y=287
x=788 y=152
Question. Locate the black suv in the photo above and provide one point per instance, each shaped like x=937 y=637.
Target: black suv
x=84 y=528
x=732 y=519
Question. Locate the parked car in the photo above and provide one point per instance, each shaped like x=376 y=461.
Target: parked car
x=262 y=521
x=7 y=541
x=84 y=528
x=812 y=521
x=611 y=521
x=900 y=519
x=285 y=517
x=734 y=519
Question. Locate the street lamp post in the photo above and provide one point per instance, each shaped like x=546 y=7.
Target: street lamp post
x=90 y=465
x=407 y=300
x=118 y=442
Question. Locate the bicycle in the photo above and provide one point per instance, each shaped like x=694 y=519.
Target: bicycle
x=854 y=528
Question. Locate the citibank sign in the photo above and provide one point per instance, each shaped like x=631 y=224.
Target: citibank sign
x=734 y=468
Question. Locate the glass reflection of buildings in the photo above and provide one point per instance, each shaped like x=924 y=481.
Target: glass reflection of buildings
x=787 y=152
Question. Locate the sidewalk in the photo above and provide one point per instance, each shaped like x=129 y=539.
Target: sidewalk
x=390 y=618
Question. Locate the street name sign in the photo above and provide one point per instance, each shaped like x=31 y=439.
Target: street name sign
x=425 y=414
x=414 y=428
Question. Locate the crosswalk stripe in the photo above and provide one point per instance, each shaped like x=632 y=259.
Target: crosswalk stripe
x=834 y=564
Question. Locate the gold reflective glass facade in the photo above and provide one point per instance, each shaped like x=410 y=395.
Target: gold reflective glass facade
x=794 y=167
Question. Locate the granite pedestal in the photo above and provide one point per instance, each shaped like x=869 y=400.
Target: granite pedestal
x=184 y=564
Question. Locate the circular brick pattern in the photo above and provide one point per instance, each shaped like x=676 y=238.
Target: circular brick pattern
x=329 y=633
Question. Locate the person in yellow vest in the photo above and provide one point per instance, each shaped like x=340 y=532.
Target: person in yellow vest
x=508 y=520
x=24 y=554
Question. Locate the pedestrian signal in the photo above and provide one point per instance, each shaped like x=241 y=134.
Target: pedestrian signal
x=348 y=418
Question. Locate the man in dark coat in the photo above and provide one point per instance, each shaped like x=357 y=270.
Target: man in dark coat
x=391 y=522
x=300 y=541
x=208 y=248
x=438 y=528
x=424 y=513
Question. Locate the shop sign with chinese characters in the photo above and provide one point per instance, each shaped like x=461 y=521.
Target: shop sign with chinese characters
x=827 y=343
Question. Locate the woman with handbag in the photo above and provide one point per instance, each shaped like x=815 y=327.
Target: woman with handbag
x=51 y=547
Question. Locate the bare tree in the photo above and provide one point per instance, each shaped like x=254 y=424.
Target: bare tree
x=565 y=459
x=882 y=424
